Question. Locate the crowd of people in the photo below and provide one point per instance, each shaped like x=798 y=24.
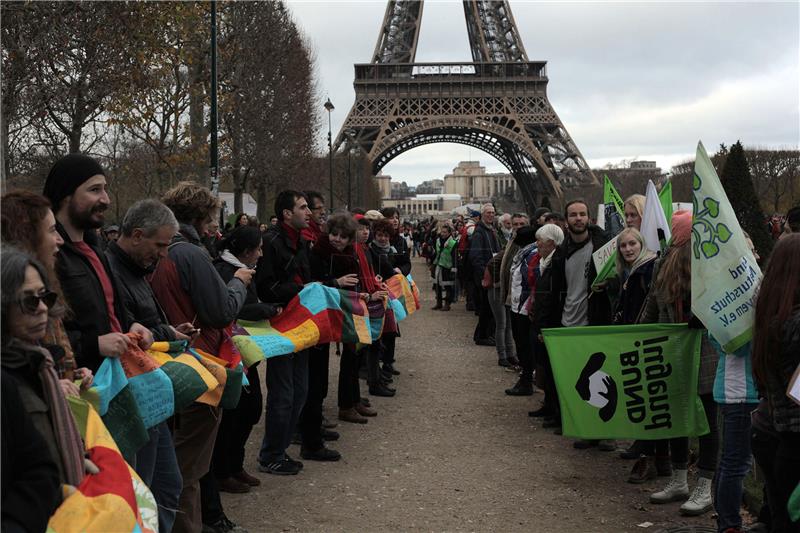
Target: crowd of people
x=76 y=291
x=520 y=277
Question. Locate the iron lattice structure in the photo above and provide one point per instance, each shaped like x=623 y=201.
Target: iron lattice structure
x=497 y=103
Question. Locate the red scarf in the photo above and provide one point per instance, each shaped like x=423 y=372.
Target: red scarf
x=312 y=232
x=366 y=275
x=294 y=235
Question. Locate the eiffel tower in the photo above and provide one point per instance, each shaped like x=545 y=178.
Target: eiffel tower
x=497 y=103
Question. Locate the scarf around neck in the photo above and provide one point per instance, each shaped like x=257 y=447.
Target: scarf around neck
x=231 y=259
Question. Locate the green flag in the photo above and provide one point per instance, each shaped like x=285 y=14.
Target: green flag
x=725 y=274
x=627 y=382
x=614 y=208
x=665 y=197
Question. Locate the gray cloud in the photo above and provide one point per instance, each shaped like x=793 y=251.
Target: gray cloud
x=628 y=79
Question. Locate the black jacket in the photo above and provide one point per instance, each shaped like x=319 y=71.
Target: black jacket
x=383 y=264
x=31 y=489
x=599 y=312
x=252 y=309
x=283 y=269
x=329 y=264
x=482 y=246
x=88 y=318
x=633 y=294
x=136 y=294
x=402 y=259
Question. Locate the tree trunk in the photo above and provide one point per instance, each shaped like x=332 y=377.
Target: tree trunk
x=261 y=201
x=237 y=189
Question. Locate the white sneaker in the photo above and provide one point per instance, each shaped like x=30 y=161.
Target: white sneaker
x=700 y=502
x=676 y=489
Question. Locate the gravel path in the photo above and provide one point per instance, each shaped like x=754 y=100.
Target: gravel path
x=451 y=452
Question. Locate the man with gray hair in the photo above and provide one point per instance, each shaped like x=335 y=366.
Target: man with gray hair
x=146 y=232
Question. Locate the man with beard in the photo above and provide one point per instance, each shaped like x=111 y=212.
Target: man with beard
x=76 y=187
x=573 y=273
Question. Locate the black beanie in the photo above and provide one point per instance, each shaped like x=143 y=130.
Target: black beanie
x=68 y=174
x=525 y=236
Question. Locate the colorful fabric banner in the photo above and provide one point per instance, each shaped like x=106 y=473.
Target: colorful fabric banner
x=614 y=208
x=150 y=386
x=115 y=499
x=628 y=382
x=320 y=314
x=655 y=227
x=725 y=275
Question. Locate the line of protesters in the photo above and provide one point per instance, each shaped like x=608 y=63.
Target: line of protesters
x=525 y=277
x=67 y=304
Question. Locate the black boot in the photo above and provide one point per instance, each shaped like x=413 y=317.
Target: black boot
x=381 y=390
x=522 y=388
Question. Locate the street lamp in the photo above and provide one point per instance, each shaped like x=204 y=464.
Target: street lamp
x=329 y=107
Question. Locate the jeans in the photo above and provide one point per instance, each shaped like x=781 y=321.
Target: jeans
x=524 y=339
x=503 y=337
x=311 y=416
x=734 y=464
x=157 y=465
x=287 y=387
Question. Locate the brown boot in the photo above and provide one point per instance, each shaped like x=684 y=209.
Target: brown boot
x=232 y=485
x=644 y=470
x=446 y=307
x=363 y=410
x=351 y=415
x=244 y=477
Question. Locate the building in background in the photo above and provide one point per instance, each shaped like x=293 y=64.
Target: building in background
x=434 y=186
x=471 y=181
x=424 y=205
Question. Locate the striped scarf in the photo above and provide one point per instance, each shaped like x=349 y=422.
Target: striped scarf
x=68 y=439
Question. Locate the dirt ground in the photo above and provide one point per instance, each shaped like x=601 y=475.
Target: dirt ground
x=451 y=452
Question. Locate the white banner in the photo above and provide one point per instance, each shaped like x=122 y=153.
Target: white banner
x=725 y=275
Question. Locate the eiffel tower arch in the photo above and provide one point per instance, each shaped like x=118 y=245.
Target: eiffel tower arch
x=497 y=103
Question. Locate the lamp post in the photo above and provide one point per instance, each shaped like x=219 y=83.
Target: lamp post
x=329 y=107
x=214 y=153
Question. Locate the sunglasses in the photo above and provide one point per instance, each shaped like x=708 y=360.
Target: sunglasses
x=29 y=303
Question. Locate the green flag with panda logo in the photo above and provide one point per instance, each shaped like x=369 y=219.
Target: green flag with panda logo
x=627 y=382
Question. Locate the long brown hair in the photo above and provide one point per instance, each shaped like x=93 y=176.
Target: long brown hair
x=778 y=296
x=674 y=281
x=21 y=216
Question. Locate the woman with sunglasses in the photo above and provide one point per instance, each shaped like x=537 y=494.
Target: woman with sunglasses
x=28 y=224
x=26 y=300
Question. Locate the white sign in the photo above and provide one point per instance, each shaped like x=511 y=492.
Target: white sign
x=604 y=254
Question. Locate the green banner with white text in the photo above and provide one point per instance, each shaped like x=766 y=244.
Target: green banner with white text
x=627 y=382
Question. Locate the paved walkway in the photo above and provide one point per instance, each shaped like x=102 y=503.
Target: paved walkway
x=451 y=452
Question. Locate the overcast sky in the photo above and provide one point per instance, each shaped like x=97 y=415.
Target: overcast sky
x=642 y=80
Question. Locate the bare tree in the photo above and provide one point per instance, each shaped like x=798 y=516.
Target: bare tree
x=776 y=173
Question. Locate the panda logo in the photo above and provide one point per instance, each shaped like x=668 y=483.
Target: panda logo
x=597 y=388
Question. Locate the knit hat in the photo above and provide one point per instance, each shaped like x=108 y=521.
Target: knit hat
x=472 y=213
x=372 y=214
x=681 y=227
x=525 y=236
x=539 y=212
x=69 y=173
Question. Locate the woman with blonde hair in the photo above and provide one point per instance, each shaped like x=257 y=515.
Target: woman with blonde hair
x=634 y=211
x=635 y=271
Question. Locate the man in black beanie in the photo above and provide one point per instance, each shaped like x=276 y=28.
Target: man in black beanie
x=76 y=186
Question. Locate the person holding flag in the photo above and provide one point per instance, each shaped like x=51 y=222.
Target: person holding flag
x=670 y=303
